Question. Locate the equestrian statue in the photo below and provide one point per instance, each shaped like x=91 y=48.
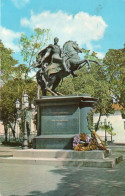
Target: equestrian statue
x=55 y=64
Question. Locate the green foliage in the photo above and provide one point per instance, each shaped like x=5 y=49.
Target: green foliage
x=107 y=128
x=115 y=74
x=30 y=46
x=67 y=87
x=10 y=91
x=15 y=78
x=7 y=62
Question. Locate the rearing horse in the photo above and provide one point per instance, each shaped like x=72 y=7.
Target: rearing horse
x=53 y=74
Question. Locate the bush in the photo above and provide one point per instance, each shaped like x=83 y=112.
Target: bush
x=16 y=143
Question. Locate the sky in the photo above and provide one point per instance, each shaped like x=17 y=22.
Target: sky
x=97 y=25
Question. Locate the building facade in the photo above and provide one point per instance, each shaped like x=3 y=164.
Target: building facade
x=118 y=123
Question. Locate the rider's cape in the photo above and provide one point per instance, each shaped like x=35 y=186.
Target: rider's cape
x=43 y=52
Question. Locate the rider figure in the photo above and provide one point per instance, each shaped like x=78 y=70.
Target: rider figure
x=55 y=52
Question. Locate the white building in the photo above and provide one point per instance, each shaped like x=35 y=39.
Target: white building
x=118 y=124
x=1 y=128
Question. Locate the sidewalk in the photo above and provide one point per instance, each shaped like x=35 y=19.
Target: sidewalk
x=27 y=180
x=6 y=151
x=37 y=180
x=8 y=148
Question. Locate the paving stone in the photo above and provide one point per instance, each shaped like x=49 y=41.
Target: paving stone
x=43 y=180
x=26 y=180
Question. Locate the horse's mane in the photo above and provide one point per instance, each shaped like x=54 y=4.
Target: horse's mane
x=67 y=43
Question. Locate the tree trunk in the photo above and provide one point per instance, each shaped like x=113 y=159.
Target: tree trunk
x=13 y=132
x=6 y=133
x=13 y=129
x=97 y=124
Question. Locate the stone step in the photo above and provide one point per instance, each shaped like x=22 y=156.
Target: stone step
x=108 y=162
x=117 y=148
x=6 y=154
x=53 y=153
x=117 y=157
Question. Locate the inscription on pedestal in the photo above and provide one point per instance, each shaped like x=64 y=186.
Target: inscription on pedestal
x=62 y=119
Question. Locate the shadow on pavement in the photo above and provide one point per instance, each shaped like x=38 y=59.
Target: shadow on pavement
x=87 y=182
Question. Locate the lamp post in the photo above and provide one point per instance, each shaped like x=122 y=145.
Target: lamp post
x=111 y=131
x=25 y=105
x=107 y=127
x=105 y=131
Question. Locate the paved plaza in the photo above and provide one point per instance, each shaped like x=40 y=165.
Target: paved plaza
x=27 y=180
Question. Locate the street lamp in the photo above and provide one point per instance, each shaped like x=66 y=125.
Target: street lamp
x=107 y=127
x=17 y=104
x=111 y=128
x=32 y=105
x=105 y=124
x=25 y=105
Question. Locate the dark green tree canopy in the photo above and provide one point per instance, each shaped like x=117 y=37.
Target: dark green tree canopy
x=115 y=74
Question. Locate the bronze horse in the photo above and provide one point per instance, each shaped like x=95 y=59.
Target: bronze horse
x=53 y=73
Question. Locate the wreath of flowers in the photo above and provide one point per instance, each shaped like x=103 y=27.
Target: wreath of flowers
x=83 y=142
x=79 y=138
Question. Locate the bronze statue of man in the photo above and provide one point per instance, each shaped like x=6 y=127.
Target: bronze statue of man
x=52 y=54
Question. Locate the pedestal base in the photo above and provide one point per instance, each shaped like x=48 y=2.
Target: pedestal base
x=60 y=119
x=53 y=142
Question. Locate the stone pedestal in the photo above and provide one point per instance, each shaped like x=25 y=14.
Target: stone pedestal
x=60 y=119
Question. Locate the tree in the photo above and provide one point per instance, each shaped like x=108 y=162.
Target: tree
x=16 y=78
x=10 y=91
x=30 y=46
x=115 y=74
x=7 y=63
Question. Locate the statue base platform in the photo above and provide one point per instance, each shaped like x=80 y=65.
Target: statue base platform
x=64 y=158
x=60 y=119
x=53 y=141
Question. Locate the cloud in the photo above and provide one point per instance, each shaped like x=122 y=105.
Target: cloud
x=9 y=37
x=20 y=3
x=81 y=27
x=100 y=55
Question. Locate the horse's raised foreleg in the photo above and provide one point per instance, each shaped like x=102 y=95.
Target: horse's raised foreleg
x=81 y=65
x=93 y=61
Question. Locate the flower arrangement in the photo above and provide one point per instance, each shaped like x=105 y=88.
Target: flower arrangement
x=82 y=142
x=80 y=138
x=76 y=140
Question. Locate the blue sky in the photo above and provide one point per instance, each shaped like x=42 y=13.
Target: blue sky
x=95 y=24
